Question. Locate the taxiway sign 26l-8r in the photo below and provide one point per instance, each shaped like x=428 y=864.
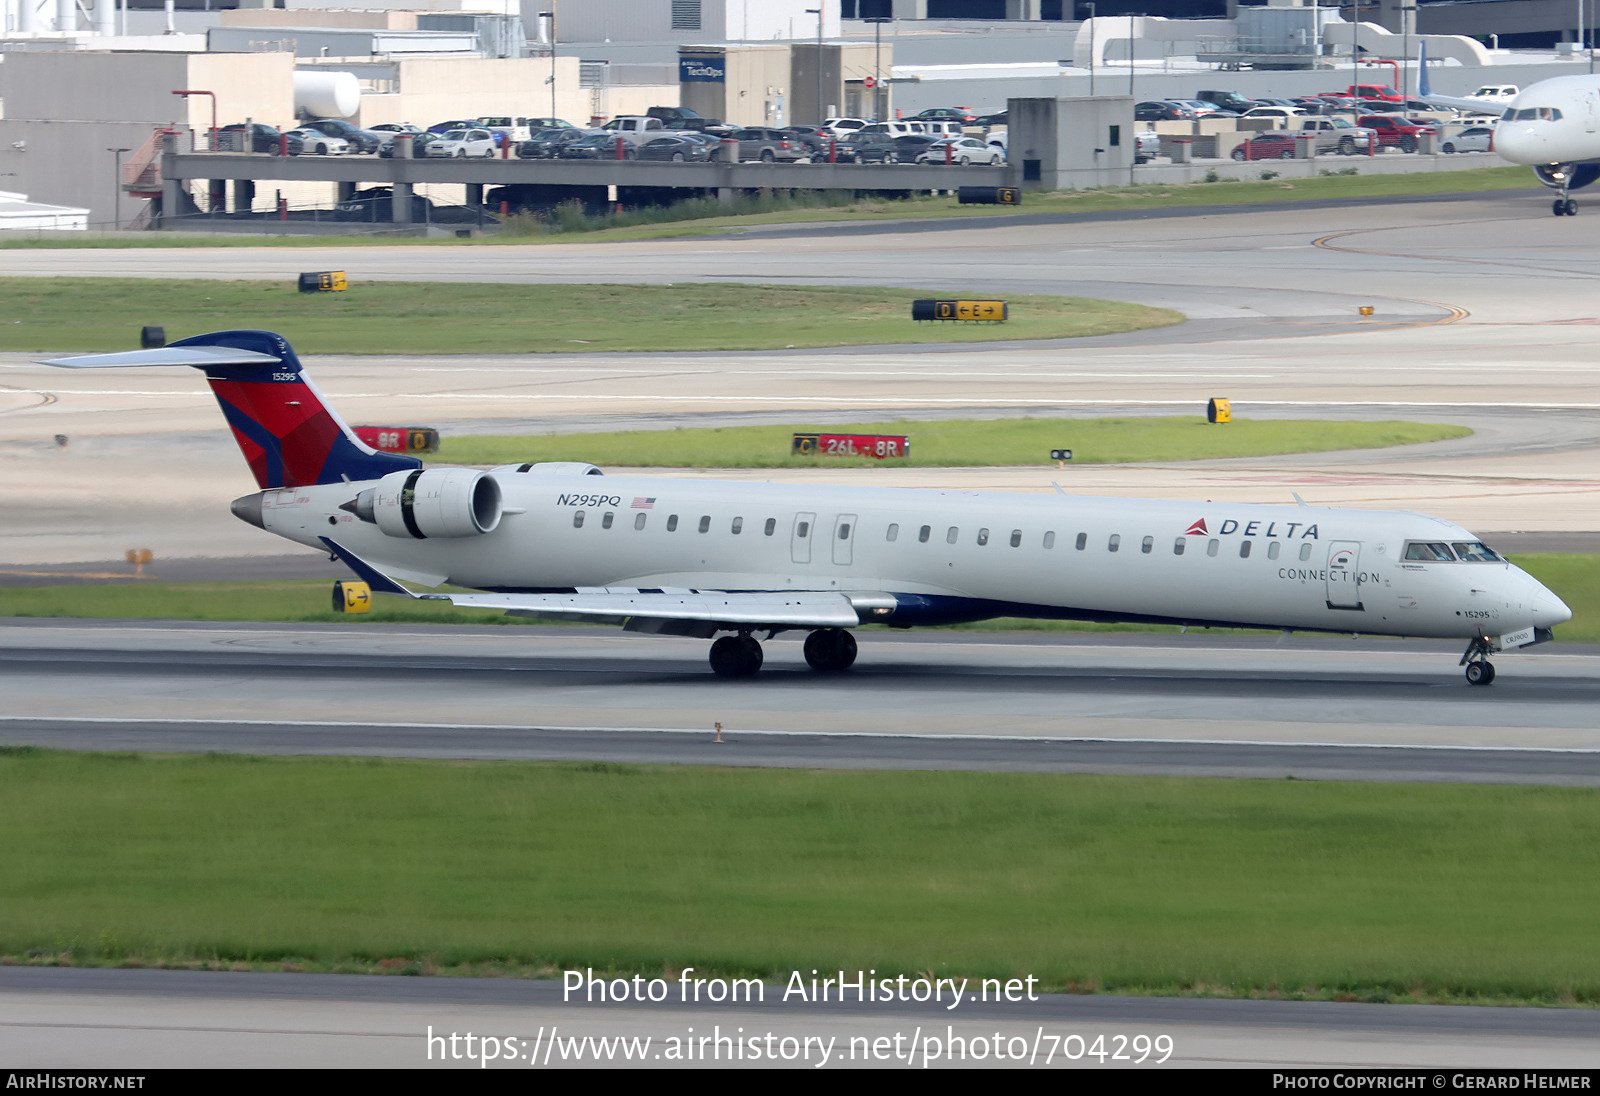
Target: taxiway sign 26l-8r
x=699 y=558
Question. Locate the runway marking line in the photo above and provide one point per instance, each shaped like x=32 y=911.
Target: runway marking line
x=699 y=733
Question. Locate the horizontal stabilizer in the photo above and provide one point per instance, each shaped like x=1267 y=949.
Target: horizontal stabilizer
x=200 y=357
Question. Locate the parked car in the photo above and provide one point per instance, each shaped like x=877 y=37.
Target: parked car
x=960 y=150
x=361 y=140
x=912 y=145
x=991 y=121
x=814 y=138
x=388 y=131
x=1279 y=113
x=959 y=115
x=1396 y=131
x=868 y=148
x=419 y=145
x=551 y=123
x=1160 y=110
x=769 y=145
x=1230 y=101
x=261 y=138
x=377 y=204
x=1475 y=139
x=514 y=127
x=460 y=123
x=1146 y=146
x=597 y=146
x=466 y=143
x=1203 y=109
x=892 y=129
x=1267 y=146
x=547 y=144
x=675 y=149
x=1338 y=135
x=314 y=143
x=682 y=118
x=844 y=127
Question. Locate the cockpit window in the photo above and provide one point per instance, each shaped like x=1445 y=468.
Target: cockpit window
x=1475 y=552
x=1429 y=551
x=1532 y=114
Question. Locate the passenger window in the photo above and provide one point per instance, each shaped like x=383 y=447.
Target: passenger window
x=1114 y=543
x=705 y=523
x=952 y=534
x=803 y=529
x=638 y=521
x=983 y=537
x=1148 y=543
x=1244 y=549
x=844 y=530
x=577 y=519
x=1273 y=547
x=672 y=523
x=894 y=531
x=1211 y=547
x=771 y=526
x=1305 y=551
x=738 y=526
x=1177 y=545
x=1016 y=538
x=1083 y=541
x=1050 y=539
x=924 y=533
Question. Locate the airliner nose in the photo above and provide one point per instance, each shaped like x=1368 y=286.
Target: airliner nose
x=1548 y=610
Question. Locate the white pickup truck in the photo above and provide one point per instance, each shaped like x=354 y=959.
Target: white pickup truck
x=636 y=128
x=1338 y=135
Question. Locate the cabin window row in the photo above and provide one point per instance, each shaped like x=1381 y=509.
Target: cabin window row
x=639 y=520
x=953 y=534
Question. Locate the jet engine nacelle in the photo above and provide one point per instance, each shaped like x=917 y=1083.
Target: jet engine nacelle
x=433 y=502
x=1573 y=176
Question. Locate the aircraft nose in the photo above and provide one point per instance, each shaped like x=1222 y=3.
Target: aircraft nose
x=1548 y=610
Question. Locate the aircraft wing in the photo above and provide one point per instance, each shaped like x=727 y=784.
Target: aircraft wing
x=1470 y=104
x=685 y=612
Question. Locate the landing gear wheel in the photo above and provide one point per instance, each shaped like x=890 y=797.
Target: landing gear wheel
x=736 y=656
x=1480 y=672
x=830 y=650
x=1571 y=207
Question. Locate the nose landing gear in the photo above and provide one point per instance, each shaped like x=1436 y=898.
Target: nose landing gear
x=1480 y=671
x=1564 y=206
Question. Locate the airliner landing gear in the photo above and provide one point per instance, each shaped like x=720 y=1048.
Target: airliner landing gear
x=1480 y=671
x=1564 y=206
x=736 y=656
x=830 y=650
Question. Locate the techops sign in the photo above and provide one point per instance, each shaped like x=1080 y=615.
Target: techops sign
x=710 y=70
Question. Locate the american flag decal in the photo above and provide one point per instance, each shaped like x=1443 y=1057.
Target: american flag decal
x=643 y=503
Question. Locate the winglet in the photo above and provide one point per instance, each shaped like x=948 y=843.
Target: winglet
x=1423 y=91
x=366 y=572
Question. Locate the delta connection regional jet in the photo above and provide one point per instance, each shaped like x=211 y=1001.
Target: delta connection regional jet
x=701 y=558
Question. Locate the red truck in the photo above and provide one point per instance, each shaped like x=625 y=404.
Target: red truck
x=1374 y=91
x=1395 y=130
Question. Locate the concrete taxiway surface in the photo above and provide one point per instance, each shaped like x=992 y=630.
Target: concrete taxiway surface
x=135 y=1019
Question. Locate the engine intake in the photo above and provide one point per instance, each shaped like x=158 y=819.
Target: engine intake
x=434 y=502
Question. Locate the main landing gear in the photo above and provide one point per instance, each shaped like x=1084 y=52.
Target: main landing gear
x=1564 y=206
x=828 y=651
x=1480 y=671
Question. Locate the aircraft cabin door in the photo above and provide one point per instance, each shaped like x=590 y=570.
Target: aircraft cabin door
x=844 y=538
x=1344 y=574
x=800 y=539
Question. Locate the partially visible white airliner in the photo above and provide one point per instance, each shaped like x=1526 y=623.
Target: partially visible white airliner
x=1553 y=127
x=698 y=557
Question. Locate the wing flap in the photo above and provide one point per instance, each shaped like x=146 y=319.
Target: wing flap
x=755 y=610
x=198 y=356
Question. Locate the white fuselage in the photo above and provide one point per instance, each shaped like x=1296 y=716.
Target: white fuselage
x=950 y=555
x=1531 y=132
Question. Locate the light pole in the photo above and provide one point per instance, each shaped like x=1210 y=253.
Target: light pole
x=877 y=22
x=1091 y=48
x=116 y=187
x=1407 y=14
x=550 y=15
x=818 y=13
x=1130 y=54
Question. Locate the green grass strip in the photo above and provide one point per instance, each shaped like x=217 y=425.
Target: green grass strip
x=1330 y=184
x=953 y=443
x=1576 y=578
x=88 y=314
x=1119 y=884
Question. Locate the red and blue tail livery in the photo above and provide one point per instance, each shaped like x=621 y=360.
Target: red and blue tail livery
x=289 y=436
